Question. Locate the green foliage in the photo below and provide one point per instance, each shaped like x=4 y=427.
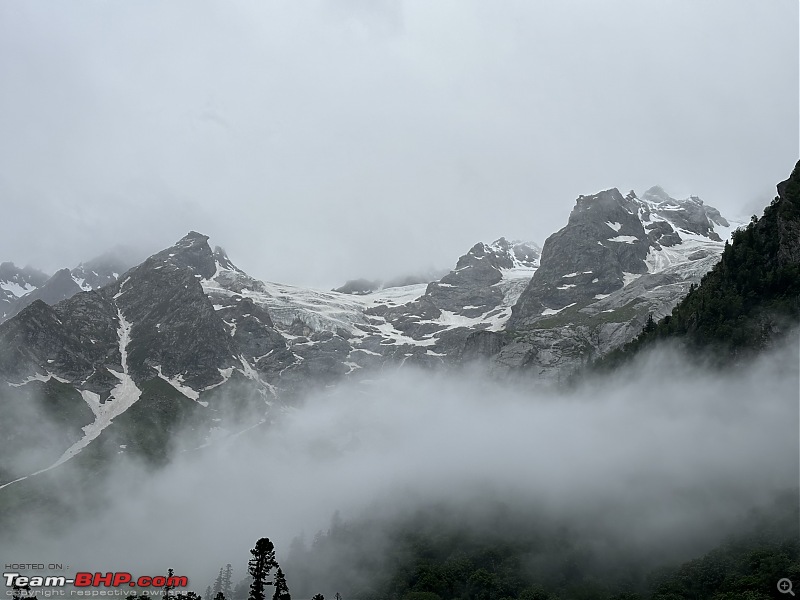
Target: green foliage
x=433 y=555
x=747 y=568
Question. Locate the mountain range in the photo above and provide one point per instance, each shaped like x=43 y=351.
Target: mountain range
x=122 y=356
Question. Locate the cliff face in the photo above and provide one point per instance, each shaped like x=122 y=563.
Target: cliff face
x=618 y=260
x=750 y=298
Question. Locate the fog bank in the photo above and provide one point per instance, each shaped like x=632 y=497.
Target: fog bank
x=659 y=454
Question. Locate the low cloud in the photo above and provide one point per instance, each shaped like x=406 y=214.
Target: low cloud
x=660 y=455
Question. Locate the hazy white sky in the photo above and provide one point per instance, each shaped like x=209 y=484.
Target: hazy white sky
x=321 y=141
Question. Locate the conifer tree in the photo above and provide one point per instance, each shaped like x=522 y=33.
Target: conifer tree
x=227 y=575
x=259 y=566
x=217 y=583
x=281 y=589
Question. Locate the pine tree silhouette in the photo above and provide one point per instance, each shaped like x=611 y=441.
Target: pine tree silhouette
x=217 y=583
x=281 y=589
x=259 y=566
x=227 y=575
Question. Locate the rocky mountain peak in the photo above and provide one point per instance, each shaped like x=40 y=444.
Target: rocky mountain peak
x=611 y=240
x=609 y=202
x=691 y=215
x=501 y=254
x=222 y=260
x=657 y=195
x=191 y=251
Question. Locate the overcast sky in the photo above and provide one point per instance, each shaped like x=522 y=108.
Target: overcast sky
x=321 y=141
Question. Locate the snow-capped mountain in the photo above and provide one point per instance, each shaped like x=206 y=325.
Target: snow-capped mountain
x=15 y=283
x=187 y=340
x=332 y=334
x=618 y=260
x=20 y=287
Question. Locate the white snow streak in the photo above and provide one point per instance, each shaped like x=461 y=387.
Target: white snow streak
x=177 y=383
x=123 y=396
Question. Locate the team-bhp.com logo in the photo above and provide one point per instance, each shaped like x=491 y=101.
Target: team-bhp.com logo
x=83 y=579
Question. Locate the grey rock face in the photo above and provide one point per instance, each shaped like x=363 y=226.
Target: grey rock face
x=153 y=338
x=607 y=239
x=191 y=252
x=603 y=240
x=174 y=325
x=690 y=215
x=618 y=260
x=661 y=233
x=73 y=341
x=471 y=289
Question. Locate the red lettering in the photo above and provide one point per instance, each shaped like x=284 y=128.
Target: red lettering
x=104 y=579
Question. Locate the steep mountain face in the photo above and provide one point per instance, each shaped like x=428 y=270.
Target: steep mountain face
x=618 y=260
x=611 y=240
x=750 y=298
x=603 y=240
x=152 y=342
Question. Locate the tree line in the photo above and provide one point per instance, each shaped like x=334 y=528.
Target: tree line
x=260 y=568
